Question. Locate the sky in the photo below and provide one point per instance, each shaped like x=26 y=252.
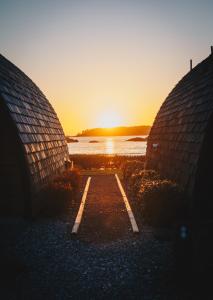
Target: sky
x=105 y=62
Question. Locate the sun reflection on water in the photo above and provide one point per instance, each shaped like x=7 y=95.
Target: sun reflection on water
x=109 y=146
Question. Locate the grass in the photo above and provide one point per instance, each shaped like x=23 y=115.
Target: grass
x=93 y=172
x=96 y=161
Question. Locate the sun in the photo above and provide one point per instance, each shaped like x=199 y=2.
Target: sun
x=109 y=119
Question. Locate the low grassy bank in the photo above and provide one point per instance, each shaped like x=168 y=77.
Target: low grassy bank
x=99 y=161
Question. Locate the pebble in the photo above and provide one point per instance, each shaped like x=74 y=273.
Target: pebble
x=69 y=268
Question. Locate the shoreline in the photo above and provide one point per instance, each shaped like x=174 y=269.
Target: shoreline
x=95 y=136
x=107 y=155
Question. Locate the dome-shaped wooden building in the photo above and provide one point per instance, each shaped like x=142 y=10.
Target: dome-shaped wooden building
x=33 y=148
x=180 y=144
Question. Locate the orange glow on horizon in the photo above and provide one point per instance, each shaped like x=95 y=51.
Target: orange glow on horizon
x=105 y=63
x=109 y=119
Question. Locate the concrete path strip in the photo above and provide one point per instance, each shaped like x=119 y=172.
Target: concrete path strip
x=128 y=208
x=81 y=208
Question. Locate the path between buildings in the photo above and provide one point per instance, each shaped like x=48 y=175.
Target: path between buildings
x=105 y=216
x=104 y=260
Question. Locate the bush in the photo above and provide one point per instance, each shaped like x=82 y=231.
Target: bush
x=136 y=180
x=56 y=195
x=131 y=167
x=162 y=202
x=97 y=161
x=73 y=178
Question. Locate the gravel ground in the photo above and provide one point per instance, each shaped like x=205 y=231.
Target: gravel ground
x=62 y=266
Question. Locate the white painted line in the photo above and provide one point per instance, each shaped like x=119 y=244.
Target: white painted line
x=81 y=208
x=128 y=208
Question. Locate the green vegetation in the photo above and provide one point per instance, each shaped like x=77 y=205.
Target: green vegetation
x=94 y=161
x=161 y=202
x=93 y=172
x=116 y=131
x=57 y=195
x=132 y=167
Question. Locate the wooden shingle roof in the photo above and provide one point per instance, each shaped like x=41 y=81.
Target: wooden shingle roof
x=177 y=135
x=38 y=127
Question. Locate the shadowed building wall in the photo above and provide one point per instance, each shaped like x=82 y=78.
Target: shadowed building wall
x=180 y=141
x=33 y=146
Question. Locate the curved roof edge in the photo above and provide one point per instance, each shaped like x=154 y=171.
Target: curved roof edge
x=38 y=126
x=177 y=134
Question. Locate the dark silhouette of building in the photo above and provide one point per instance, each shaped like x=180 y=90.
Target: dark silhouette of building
x=33 y=148
x=180 y=144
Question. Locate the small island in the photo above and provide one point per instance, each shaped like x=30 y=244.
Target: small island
x=70 y=140
x=116 y=131
x=93 y=141
x=137 y=139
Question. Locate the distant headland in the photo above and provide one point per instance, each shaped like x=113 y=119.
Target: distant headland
x=116 y=131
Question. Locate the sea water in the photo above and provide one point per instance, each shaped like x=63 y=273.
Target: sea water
x=117 y=145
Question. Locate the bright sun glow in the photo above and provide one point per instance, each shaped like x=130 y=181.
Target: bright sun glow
x=110 y=119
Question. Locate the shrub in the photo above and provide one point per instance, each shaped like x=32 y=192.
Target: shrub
x=162 y=202
x=89 y=161
x=55 y=199
x=56 y=195
x=136 y=180
x=72 y=177
x=131 y=167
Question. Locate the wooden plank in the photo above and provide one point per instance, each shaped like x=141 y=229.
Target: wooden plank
x=81 y=208
x=128 y=208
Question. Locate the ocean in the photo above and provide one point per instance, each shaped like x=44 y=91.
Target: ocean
x=117 y=145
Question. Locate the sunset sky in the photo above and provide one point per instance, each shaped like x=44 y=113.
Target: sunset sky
x=105 y=63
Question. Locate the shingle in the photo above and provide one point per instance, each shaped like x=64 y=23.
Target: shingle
x=36 y=121
x=181 y=123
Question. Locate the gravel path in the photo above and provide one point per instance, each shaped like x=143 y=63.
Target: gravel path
x=105 y=217
x=105 y=261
